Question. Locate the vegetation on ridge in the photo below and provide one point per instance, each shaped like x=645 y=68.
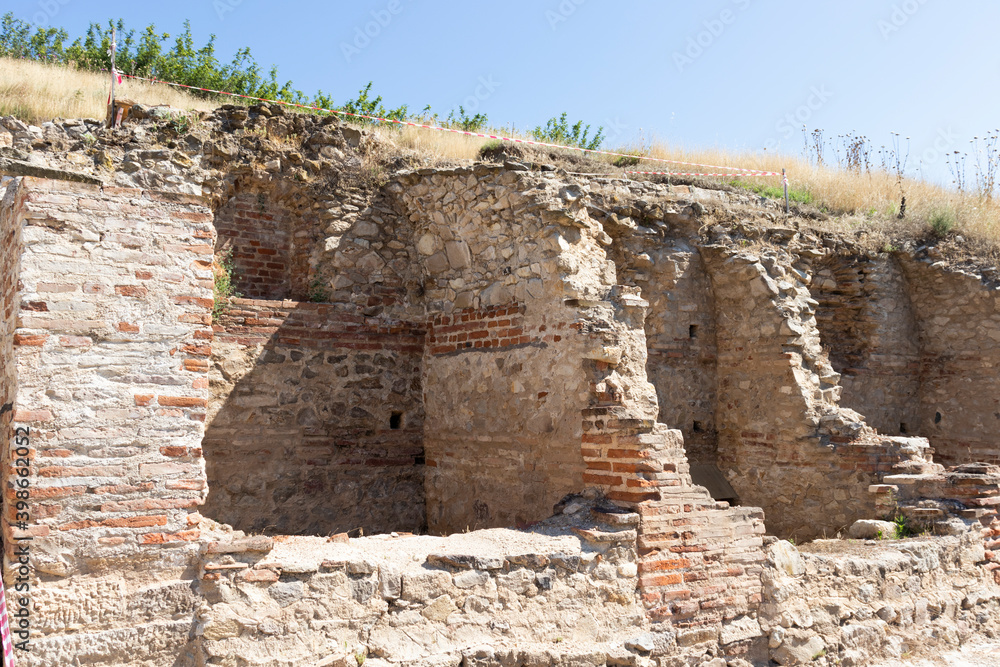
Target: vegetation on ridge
x=145 y=55
x=44 y=75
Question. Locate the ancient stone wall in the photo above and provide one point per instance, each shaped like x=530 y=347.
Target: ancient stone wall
x=489 y=255
x=567 y=587
x=680 y=334
x=958 y=318
x=492 y=416
x=484 y=352
x=784 y=443
x=855 y=602
x=867 y=324
x=10 y=260
x=699 y=559
x=316 y=422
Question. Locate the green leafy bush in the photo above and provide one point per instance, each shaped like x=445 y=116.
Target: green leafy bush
x=463 y=121
x=626 y=161
x=941 y=221
x=559 y=131
x=224 y=290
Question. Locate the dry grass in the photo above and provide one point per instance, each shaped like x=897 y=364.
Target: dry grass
x=444 y=145
x=35 y=92
x=872 y=199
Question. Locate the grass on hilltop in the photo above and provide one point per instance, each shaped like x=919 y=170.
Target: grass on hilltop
x=36 y=92
x=869 y=200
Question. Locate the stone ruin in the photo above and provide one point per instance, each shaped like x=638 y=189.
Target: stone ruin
x=487 y=414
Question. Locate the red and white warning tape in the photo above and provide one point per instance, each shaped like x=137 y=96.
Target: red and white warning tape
x=743 y=172
x=654 y=173
x=5 y=638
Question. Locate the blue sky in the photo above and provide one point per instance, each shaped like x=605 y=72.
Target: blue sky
x=739 y=74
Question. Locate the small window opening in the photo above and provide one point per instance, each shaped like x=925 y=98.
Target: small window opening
x=696 y=427
x=396 y=421
x=937 y=417
x=693 y=331
x=902 y=428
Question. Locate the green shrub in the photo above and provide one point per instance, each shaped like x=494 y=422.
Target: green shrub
x=941 y=221
x=559 y=131
x=224 y=290
x=903 y=528
x=366 y=105
x=463 y=121
x=626 y=161
x=318 y=292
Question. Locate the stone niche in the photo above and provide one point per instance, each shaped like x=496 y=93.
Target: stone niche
x=867 y=324
x=262 y=242
x=316 y=421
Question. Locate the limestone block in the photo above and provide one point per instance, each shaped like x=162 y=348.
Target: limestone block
x=366 y=229
x=869 y=529
x=798 y=648
x=437 y=263
x=459 y=255
x=428 y=244
x=740 y=630
x=425 y=586
x=785 y=558
x=471 y=578
x=439 y=609
x=285 y=593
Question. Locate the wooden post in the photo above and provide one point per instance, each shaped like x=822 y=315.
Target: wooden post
x=784 y=179
x=114 y=77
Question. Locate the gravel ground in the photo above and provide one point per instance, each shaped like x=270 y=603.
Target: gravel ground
x=973 y=655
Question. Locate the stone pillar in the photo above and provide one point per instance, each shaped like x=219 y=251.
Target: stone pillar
x=112 y=347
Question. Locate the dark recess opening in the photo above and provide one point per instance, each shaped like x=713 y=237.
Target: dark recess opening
x=902 y=428
x=693 y=331
x=395 y=421
x=697 y=427
x=937 y=417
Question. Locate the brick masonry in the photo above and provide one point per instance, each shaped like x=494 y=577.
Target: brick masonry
x=260 y=240
x=10 y=257
x=475 y=328
x=118 y=313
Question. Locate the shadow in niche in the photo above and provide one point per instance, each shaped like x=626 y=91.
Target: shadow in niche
x=681 y=345
x=316 y=421
x=868 y=327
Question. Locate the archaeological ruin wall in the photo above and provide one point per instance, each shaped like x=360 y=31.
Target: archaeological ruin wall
x=868 y=325
x=493 y=266
x=779 y=333
x=681 y=339
x=264 y=245
x=914 y=345
x=316 y=420
x=958 y=324
x=10 y=258
x=442 y=350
